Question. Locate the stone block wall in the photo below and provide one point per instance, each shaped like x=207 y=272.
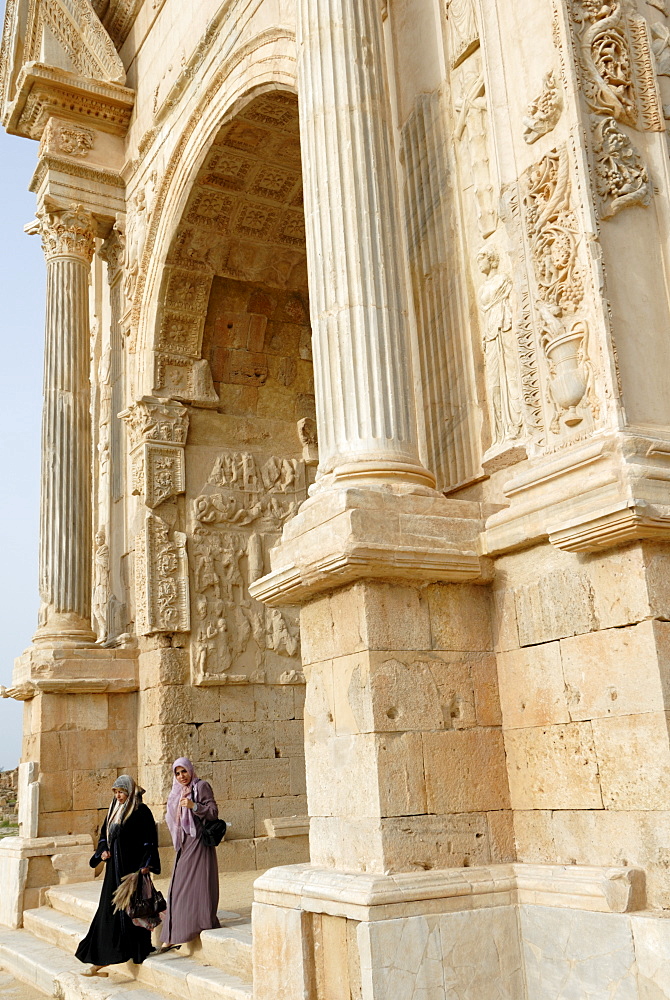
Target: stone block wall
x=583 y=650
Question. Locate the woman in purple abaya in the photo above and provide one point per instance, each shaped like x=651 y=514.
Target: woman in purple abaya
x=193 y=895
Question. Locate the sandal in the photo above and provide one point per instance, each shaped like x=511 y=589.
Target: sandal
x=167 y=947
x=94 y=972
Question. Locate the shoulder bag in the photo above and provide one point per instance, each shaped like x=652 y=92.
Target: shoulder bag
x=213 y=830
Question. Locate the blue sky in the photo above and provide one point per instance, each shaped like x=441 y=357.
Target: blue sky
x=22 y=274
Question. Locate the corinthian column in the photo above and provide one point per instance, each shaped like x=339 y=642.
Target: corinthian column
x=365 y=404
x=65 y=511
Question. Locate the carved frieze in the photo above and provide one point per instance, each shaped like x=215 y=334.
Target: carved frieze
x=235 y=520
x=68 y=138
x=543 y=111
x=157 y=431
x=621 y=176
x=161 y=579
x=68 y=232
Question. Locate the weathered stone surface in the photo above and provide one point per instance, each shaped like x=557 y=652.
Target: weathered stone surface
x=532 y=686
x=553 y=767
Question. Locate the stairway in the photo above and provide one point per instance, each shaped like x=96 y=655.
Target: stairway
x=215 y=967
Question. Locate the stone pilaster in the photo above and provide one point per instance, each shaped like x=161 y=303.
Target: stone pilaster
x=365 y=401
x=65 y=512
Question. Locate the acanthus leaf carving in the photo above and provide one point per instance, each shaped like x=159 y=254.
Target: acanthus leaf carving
x=67 y=232
x=621 y=176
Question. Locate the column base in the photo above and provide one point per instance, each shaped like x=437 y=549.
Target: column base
x=64 y=628
x=404 y=475
x=457 y=932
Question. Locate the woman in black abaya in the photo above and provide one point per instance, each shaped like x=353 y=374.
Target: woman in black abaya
x=127 y=844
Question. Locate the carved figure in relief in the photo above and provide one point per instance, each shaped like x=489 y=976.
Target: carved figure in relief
x=206 y=551
x=472 y=126
x=502 y=388
x=543 y=112
x=606 y=58
x=136 y=231
x=660 y=46
x=621 y=176
x=101 y=585
x=462 y=30
x=280 y=638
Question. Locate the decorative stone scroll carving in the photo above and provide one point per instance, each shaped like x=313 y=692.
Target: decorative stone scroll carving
x=68 y=232
x=236 y=519
x=157 y=430
x=553 y=230
x=621 y=176
x=501 y=366
x=161 y=579
x=605 y=58
x=544 y=111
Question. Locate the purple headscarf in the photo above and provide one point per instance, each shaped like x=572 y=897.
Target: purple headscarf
x=180 y=821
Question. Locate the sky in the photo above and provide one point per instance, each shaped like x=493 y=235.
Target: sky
x=22 y=279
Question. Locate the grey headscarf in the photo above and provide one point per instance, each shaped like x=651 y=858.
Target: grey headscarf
x=119 y=812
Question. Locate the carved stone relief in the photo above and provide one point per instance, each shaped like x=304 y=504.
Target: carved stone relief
x=544 y=111
x=621 y=176
x=101 y=585
x=161 y=579
x=553 y=233
x=660 y=44
x=68 y=138
x=157 y=431
x=471 y=131
x=500 y=360
x=462 y=30
x=235 y=520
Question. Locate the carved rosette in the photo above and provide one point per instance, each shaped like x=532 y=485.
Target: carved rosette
x=161 y=579
x=157 y=431
x=68 y=232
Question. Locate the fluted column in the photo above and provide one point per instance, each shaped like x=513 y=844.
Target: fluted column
x=365 y=404
x=65 y=511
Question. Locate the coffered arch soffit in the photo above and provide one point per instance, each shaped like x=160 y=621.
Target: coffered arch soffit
x=264 y=65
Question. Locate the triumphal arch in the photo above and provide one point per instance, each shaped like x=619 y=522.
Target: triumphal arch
x=356 y=475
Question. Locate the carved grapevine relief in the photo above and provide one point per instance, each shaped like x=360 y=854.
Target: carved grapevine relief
x=605 y=58
x=621 y=176
x=544 y=111
x=235 y=520
x=553 y=231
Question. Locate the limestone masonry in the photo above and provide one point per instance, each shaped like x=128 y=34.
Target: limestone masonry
x=355 y=485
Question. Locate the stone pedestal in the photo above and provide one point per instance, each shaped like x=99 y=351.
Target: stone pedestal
x=482 y=931
x=28 y=864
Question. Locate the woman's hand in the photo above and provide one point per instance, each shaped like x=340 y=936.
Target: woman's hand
x=105 y=856
x=187 y=803
x=145 y=871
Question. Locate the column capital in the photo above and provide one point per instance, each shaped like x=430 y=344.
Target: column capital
x=67 y=232
x=113 y=252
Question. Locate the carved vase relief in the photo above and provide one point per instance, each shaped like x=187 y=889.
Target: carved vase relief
x=234 y=521
x=553 y=233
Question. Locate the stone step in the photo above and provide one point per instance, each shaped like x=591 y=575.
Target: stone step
x=57 y=928
x=189 y=979
x=33 y=961
x=79 y=900
x=228 y=948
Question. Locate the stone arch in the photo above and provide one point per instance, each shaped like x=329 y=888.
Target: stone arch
x=267 y=62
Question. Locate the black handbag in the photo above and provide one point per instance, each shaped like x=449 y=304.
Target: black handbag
x=145 y=908
x=213 y=830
